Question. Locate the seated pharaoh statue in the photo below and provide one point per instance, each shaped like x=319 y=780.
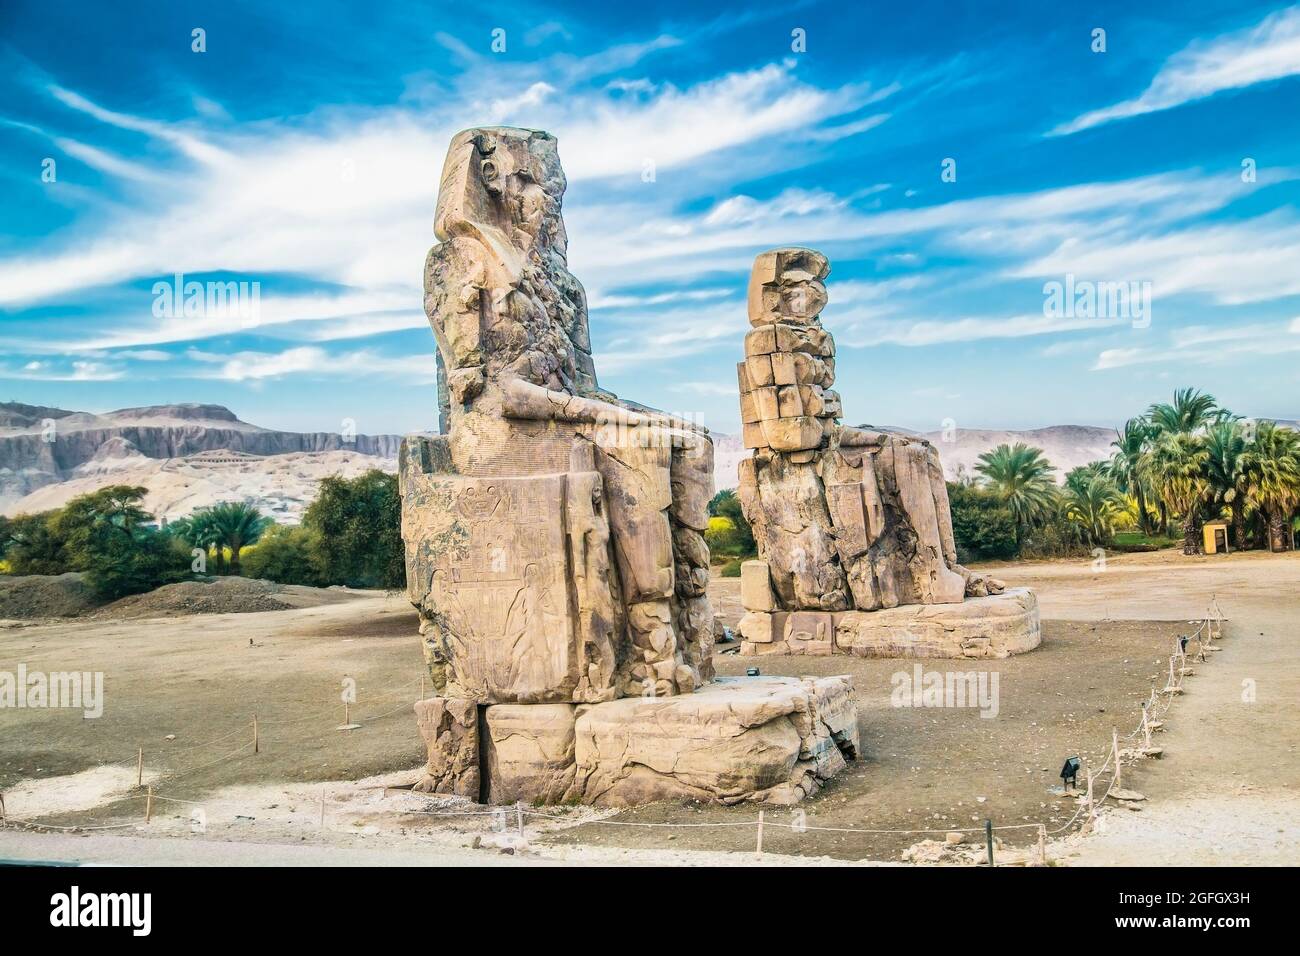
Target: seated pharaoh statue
x=853 y=525
x=524 y=409
x=554 y=540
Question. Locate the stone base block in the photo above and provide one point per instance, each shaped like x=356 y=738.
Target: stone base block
x=529 y=752
x=449 y=728
x=773 y=739
x=998 y=625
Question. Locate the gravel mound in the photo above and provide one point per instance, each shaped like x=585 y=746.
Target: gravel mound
x=222 y=595
x=30 y=596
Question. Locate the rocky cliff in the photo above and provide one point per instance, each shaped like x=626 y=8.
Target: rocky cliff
x=41 y=446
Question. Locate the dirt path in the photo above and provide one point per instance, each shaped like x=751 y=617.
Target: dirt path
x=1227 y=789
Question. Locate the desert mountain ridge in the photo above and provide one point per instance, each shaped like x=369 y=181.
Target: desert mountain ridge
x=186 y=455
x=191 y=455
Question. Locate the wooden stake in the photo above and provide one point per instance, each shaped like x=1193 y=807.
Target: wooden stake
x=322 y=809
x=255 y=740
x=139 y=767
x=2 y=810
x=421 y=687
x=1091 y=809
x=988 y=840
x=758 y=849
x=1042 y=844
x=1114 y=742
x=519 y=819
x=148 y=806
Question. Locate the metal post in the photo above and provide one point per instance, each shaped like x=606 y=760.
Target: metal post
x=139 y=767
x=256 y=742
x=988 y=839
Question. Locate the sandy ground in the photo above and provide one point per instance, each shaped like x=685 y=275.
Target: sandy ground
x=1225 y=791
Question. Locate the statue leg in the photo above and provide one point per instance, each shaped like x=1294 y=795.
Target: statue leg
x=635 y=464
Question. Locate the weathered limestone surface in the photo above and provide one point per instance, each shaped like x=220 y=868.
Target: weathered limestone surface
x=529 y=752
x=846 y=519
x=555 y=536
x=768 y=738
x=449 y=728
x=998 y=625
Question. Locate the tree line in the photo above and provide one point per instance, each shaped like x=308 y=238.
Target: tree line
x=350 y=535
x=1174 y=468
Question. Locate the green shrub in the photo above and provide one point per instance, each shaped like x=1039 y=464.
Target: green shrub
x=284 y=555
x=983 y=527
x=729 y=533
x=730 y=569
x=106 y=535
x=30 y=544
x=356 y=531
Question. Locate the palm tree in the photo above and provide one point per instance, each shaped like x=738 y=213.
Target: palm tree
x=1225 y=444
x=1190 y=412
x=1176 y=465
x=1093 y=502
x=1272 y=466
x=1125 y=465
x=200 y=531
x=235 y=525
x=1022 y=478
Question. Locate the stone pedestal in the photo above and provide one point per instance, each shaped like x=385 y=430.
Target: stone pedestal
x=769 y=739
x=998 y=625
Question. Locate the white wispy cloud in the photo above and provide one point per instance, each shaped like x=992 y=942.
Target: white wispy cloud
x=1206 y=345
x=1269 y=50
x=252 y=366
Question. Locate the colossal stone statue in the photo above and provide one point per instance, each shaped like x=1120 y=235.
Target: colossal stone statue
x=511 y=516
x=554 y=541
x=853 y=525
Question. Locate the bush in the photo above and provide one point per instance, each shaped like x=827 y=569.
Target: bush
x=356 y=531
x=731 y=569
x=284 y=555
x=31 y=545
x=729 y=533
x=984 y=528
x=117 y=565
x=1055 y=537
x=106 y=535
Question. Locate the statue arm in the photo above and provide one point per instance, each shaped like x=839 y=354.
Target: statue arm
x=528 y=401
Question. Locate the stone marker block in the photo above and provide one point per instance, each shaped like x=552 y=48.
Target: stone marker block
x=756 y=587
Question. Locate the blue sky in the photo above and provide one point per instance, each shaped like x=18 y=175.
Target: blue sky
x=302 y=149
